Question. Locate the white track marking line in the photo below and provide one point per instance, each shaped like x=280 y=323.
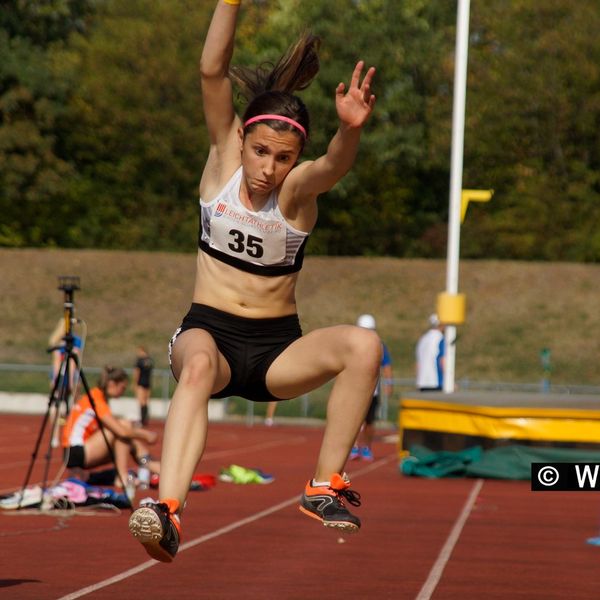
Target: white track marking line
x=102 y=584
x=299 y=439
x=183 y=548
x=209 y=536
x=440 y=564
x=22 y=463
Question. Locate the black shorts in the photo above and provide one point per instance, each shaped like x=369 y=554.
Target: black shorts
x=249 y=345
x=75 y=456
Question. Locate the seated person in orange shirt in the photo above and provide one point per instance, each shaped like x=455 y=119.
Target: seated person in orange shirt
x=82 y=439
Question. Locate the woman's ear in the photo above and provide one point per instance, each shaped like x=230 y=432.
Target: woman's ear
x=241 y=138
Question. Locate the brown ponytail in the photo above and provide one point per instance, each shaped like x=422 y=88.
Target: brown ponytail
x=294 y=71
x=270 y=90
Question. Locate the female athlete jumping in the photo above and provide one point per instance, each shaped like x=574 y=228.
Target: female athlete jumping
x=258 y=206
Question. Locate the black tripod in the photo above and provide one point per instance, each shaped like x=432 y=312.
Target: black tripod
x=61 y=389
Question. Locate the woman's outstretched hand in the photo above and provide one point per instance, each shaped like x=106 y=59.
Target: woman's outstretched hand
x=355 y=105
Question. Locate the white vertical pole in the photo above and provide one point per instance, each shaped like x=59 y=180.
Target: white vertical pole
x=456 y=168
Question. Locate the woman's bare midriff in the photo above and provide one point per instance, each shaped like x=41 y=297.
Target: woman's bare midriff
x=244 y=294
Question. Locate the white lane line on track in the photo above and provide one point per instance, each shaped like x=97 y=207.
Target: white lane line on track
x=440 y=564
x=209 y=536
x=24 y=463
x=298 y=439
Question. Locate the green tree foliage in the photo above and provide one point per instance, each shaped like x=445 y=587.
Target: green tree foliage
x=137 y=137
x=102 y=139
x=43 y=22
x=533 y=130
x=34 y=88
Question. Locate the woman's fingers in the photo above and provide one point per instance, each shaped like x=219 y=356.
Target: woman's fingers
x=368 y=77
x=356 y=73
x=358 y=94
x=365 y=86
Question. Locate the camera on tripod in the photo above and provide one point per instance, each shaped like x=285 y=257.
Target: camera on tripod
x=68 y=283
x=66 y=378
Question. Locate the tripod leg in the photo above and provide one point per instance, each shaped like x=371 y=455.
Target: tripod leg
x=61 y=397
x=34 y=454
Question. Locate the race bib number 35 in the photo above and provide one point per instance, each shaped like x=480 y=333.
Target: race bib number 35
x=265 y=247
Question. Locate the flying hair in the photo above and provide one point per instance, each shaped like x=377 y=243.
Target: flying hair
x=294 y=71
x=270 y=91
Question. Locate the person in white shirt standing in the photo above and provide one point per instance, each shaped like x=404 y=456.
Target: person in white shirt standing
x=429 y=355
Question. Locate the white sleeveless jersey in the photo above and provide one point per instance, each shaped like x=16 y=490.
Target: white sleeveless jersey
x=260 y=242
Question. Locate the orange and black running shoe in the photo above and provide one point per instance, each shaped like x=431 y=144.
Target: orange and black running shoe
x=327 y=504
x=156 y=526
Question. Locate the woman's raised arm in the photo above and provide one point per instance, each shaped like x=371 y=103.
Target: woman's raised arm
x=354 y=106
x=214 y=67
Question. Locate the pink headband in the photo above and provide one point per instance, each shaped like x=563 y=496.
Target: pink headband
x=276 y=118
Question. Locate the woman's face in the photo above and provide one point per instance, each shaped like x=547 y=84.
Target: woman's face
x=115 y=389
x=267 y=157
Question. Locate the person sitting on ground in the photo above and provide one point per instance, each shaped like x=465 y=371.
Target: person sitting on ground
x=85 y=446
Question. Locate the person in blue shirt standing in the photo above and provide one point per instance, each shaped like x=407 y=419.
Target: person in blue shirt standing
x=62 y=390
x=363 y=448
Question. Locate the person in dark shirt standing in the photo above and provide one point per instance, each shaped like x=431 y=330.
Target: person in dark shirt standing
x=142 y=377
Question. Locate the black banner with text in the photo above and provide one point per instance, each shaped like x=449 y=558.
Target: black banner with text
x=565 y=477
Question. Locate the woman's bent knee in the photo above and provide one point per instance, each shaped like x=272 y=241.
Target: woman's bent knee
x=367 y=350
x=198 y=368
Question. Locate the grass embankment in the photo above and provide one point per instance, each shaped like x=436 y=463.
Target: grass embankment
x=127 y=298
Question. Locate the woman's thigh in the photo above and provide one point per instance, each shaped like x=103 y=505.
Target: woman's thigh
x=321 y=355
x=196 y=346
x=95 y=449
x=142 y=393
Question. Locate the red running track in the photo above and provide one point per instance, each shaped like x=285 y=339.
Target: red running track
x=441 y=539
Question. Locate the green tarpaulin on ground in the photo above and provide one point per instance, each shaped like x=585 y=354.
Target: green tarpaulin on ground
x=506 y=462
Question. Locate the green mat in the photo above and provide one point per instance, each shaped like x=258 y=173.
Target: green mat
x=506 y=462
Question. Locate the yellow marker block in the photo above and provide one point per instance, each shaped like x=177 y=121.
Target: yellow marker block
x=451 y=308
x=473 y=196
